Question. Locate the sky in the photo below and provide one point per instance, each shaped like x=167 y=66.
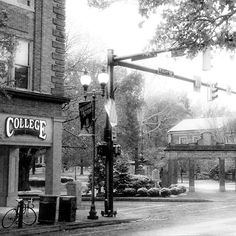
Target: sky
x=118 y=28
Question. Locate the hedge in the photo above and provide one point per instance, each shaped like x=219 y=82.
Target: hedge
x=153 y=192
x=37 y=182
x=142 y=192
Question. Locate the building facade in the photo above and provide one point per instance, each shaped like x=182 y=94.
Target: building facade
x=189 y=131
x=31 y=90
x=200 y=144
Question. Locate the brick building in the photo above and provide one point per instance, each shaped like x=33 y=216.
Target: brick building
x=199 y=142
x=190 y=130
x=32 y=95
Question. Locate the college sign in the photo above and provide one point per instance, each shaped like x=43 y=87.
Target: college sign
x=21 y=126
x=26 y=130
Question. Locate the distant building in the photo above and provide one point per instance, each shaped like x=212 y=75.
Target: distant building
x=33 y=91
x=190 y=130
x=200 y=146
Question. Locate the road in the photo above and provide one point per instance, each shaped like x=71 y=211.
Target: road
x=170 y=219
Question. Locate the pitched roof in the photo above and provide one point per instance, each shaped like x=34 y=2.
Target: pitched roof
x=199 y=124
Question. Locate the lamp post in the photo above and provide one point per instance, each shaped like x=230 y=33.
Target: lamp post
x=85 y=81
x=108 y=211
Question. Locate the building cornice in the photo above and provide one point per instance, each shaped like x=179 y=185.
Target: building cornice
x=36 y=96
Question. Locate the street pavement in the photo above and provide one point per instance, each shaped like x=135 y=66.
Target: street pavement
x=188 y=214
x=211 y=218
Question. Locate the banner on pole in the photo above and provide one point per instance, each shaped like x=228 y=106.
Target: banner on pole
x=85 y=113
x=110 y=108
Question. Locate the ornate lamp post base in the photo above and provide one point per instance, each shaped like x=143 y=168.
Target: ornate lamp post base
x=109 y=213
x=92 y=214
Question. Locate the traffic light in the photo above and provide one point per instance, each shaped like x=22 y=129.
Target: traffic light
x=197 y=83
x=213 y=92
x=116 y=149
x=102 y=148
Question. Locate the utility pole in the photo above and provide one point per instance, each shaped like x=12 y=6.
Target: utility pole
x=109 y=211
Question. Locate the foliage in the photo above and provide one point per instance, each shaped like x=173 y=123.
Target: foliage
x=175 y=191
x=99 y=172
x=153 y=192
x=194 y=25
x=129 y=101
x=65 y=179
x=36 y=182
x=214 y=173
x=77 y=150
x=165 y=192
x=40 y=182
x=8 y=45
x=100 y=3
x=142 y=192
x=160 y=114
x=211 y=110
x=139 y=181
x=121 y=176
x=183 y=188
x=129 y=192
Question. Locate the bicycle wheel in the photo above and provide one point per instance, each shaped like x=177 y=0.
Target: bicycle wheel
x=9 y=218
x=29 y=216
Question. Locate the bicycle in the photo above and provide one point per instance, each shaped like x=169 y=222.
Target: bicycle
x=12 y=216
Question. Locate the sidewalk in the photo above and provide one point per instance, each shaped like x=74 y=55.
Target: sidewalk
x=81 y=222
x=203 y=193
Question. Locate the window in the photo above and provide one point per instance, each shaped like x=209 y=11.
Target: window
x=26 y=4
x=183 y=140
x=15 y=67
x=21 y=68
x=3 y=66
x=195 y=139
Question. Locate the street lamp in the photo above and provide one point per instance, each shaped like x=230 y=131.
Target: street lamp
x=85 y=81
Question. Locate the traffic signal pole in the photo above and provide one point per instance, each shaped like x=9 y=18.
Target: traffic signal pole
x=109 y=211
x=112 y=61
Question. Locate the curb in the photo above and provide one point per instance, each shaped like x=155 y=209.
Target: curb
x=63 y=226
x=149 y=199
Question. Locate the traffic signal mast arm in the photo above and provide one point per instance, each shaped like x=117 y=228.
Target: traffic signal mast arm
x=119 y=61
x=147 y=55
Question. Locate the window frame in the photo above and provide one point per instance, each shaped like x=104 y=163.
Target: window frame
x=29 y=66
x=195 y=137
x=18 y=4
x=10 y=80
x=183 y=137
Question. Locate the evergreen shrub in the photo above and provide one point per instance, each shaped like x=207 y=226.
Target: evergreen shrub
x=129 y=192
x=37 y=182
x=65 y=179
x=153 y=192
x=175 y=190
x=165 y=192
x=142 y=192
x=141 y=181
